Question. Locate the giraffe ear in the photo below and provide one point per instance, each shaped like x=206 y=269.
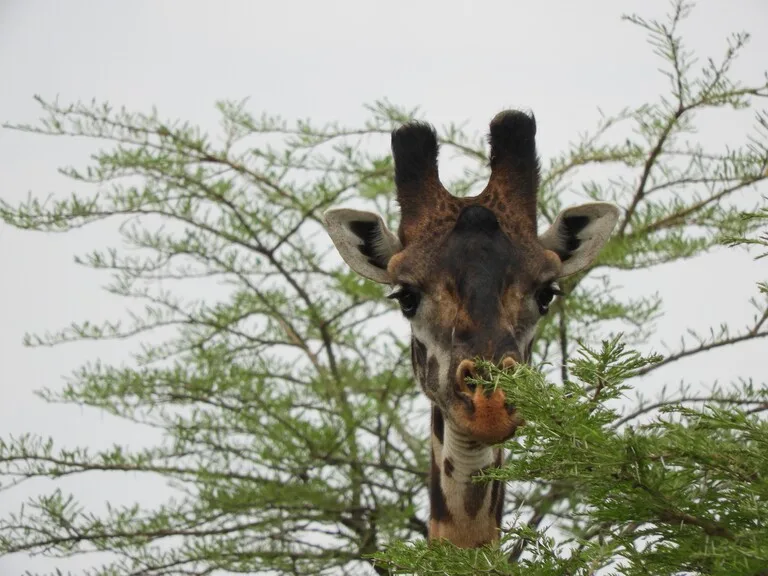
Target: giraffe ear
x=363 y=241
x=579 y=233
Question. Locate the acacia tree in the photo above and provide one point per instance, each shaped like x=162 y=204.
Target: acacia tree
x=292 y=430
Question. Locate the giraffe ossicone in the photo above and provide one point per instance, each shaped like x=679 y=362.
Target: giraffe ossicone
x=473 y=277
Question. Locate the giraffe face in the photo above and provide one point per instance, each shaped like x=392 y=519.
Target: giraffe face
x=472 y=291
x=471 y=275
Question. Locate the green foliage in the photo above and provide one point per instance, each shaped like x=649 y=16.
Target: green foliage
x=760 y=219
x=279 y=381
x=687 y=491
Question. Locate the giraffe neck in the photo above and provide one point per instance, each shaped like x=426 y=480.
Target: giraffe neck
x=466 y=513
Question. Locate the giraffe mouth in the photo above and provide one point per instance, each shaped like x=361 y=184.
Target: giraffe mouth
x=484 y=416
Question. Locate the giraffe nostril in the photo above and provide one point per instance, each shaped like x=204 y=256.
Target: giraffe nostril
x=466 y=370
x=508 y=362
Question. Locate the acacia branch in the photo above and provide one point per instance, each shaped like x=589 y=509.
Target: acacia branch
x=703 y=348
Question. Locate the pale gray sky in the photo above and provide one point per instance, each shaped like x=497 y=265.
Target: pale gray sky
x=458 y=61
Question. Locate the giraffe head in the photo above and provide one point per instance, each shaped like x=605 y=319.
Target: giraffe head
x=473 y=277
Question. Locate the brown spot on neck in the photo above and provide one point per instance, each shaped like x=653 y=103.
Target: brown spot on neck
x=438 y=507
x=474 y=496
x=476 y=491
x=438 y=424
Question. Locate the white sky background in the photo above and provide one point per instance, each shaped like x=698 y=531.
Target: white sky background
x=319 y=60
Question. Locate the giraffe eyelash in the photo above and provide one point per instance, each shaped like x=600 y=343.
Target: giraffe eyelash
x=401 y=289
x=408 y=297
x=396 y=292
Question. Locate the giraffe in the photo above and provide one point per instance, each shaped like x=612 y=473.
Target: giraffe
x=473 y=277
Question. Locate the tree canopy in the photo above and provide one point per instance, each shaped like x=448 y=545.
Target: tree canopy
x=292 y=432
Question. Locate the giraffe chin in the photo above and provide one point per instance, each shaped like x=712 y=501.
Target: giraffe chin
x=485 y=417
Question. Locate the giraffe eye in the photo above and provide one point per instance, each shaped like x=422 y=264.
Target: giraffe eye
x=545 y=296
x=408 y=297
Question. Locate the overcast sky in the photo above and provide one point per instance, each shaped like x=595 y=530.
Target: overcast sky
x=457 y=61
